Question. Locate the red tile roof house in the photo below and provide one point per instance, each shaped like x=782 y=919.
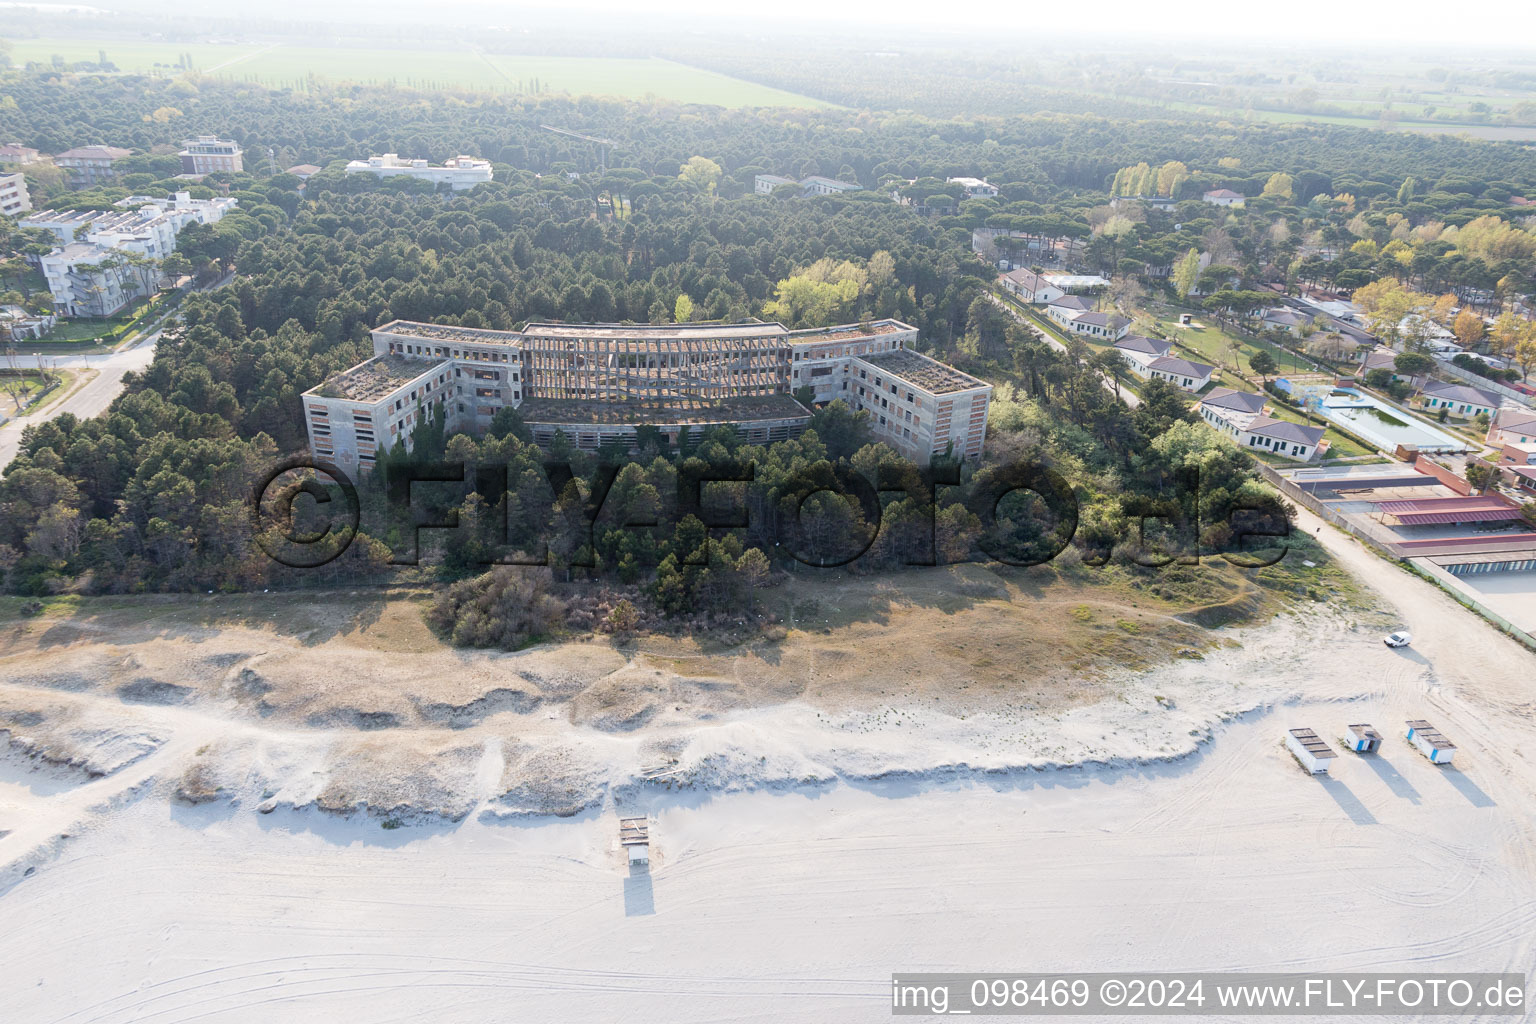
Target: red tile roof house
x=1223 y=197
x=1459 y=399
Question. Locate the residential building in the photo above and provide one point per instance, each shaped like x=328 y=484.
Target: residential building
x=90 y=165
x=764 y=184
x=1281 y=437
x=598 y=383
x=1512 y=426
x=1099 y=326
x=975 y=188
x=16 y=153
x=208 y=154
x=15 y=200
x=1064 y=308
x=1282 y=319
x=303 y=171
x=1028 y=286
x=1184 y=374
x=461 y=172
x=1230 y=411
x=1077 y=283
x=1244 y=417
x=816 y=185
x=1223 y=197
x=1134 y=348
x=107 y=257
x=1460 y=399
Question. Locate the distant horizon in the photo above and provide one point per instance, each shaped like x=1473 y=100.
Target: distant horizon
x=1309 y=24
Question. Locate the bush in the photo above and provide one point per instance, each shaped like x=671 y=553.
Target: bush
x=507 y=608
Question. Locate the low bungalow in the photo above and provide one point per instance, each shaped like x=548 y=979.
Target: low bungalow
x=1223 y=197
x=304 y=171
x=1183 y=374
x=1386 y=359
x=816 y=185
x=1099 y=326
x=764 y=184
x=1065 y=308
x=1513 y=426
x=1231 y=411
x=1281 y=437
x=1283 y=319
x=1459 y=399
x=1140 y=351
x=1028 y=286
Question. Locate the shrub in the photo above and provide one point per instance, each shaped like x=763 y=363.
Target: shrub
x=506 y=607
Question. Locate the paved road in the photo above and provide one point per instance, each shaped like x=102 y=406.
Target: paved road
x=92 y=398
x=1124 y=394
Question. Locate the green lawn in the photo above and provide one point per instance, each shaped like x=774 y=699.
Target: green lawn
x=1211 y=344
x=292 y=66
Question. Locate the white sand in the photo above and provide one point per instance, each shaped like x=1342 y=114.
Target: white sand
x=796 y=904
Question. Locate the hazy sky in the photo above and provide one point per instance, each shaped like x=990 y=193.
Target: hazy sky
x=1320 y=24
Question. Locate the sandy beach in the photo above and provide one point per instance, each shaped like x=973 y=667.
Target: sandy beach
x=800 y=856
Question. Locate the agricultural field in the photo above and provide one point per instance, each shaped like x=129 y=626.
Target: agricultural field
x=282 y=66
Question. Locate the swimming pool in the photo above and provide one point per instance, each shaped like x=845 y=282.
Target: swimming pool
x=1381 y=424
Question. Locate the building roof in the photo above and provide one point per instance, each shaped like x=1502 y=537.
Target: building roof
x=1223 y=193
x=777 y=179
x=1287 y=317
x=645 y=332
x=304 y=170
x=1147 y=346
x=1313 y=744
x=847 y=332
x=1364 y=731
x=1067 y=282
x=1025 y=278
x=1515 y=419
x=1240 y=401
x=1380 y=359
x=920 y=371
x=1071 y=302
x=1109 y=320
x=94 y=153
x=1449 y=392
x=1431 y=735
x=817 y=179
x=374 y=378
x=1181 y=367
x=970 y=182
x=1284 y=430
x=1476 y=508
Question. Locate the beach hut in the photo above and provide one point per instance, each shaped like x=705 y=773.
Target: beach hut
x=1315 y=755
x=1363 y=739
x=635 y=838
x=1430 y=743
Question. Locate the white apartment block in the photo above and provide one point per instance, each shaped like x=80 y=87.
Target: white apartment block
x=86 y=273
x=208 y=154
x=461 y=172
x=15 y=200
x=599 y=383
